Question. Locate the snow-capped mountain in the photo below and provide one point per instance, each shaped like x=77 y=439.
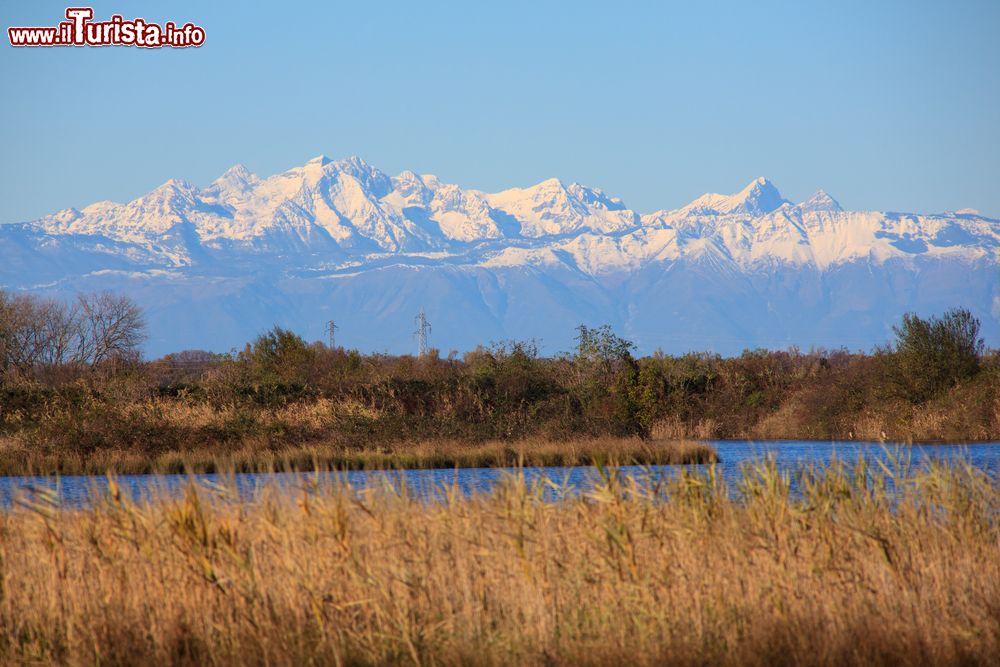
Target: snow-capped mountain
x=339 y=239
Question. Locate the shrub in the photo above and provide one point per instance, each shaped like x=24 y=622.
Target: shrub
x=279 y=358
x=931 y=355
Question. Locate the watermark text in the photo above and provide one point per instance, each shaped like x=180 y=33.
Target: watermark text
x=79 y=29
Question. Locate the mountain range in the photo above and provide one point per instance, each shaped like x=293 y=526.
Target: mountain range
x=341 y=240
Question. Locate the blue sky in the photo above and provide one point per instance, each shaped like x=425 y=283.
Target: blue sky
x=886 y=105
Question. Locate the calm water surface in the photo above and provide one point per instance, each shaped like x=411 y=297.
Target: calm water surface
x=789 y=455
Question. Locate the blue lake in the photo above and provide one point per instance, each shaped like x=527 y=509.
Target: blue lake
x=789 y=456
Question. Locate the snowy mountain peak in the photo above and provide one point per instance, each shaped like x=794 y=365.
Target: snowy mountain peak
x=97 y=208
x=595 y=197
x=410 y=190
x=236 y=180
x=174 y=191
x=759 y=197
x=550 y=208
x=237 y=171
x=431 y=181
x=372 y=180
x=321 y=173
x=409 y=176
x=176 y=184
x=820 y=201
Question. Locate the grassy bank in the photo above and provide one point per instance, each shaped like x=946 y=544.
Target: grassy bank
x=17 y=460
x=631 y=573
x=372 y=411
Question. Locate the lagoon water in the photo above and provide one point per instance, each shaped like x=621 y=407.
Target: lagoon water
x=789 y=456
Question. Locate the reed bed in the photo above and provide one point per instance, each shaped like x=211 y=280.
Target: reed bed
x=16 y=459
x=857 y=567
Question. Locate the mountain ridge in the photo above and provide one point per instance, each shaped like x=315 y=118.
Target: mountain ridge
x=317 y=227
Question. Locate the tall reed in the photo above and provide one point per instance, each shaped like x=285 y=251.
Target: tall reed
x=862 y=565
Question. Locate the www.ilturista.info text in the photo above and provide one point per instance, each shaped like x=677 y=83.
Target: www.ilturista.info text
x=80 y=30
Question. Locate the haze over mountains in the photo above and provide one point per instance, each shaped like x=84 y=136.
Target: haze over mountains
x=341 y=240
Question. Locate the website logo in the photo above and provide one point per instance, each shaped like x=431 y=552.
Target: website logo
x=79 y=29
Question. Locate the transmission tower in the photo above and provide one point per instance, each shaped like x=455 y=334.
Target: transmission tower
x=331 y=333
x=423 y=328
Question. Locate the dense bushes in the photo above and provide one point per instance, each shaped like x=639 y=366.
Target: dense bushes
x=935 y=382
x=934 y=354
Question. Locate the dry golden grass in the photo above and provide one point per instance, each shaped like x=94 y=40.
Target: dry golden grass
x=251 y=456
x=634 y=572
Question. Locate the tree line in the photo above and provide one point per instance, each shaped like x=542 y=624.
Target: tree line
x=72 y=372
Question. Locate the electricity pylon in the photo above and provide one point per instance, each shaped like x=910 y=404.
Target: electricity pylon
x=331 y=333
x=423 y=328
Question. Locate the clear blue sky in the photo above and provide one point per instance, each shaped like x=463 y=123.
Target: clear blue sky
x=886 y=105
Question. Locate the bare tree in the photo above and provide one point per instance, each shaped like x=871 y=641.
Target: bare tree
x=96 y=328
x=32 y=331
x=12 y=317
x=58 y=326
x=110 y=327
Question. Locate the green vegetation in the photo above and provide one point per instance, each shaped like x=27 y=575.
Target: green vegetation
x=931 y=356
x=74 y=396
